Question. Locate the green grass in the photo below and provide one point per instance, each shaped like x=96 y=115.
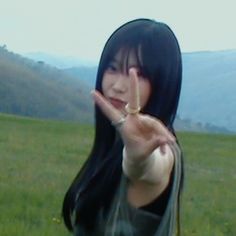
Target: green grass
x=209 y=206
x=40 y=158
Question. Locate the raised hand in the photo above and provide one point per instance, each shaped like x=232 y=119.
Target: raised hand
x=141 y=133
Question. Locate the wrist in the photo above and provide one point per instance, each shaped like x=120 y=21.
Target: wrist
x=135 y=169
x=153 y=169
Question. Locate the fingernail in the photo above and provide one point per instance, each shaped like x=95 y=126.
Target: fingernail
x=93 y=93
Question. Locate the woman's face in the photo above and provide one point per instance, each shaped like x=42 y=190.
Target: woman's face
x=116 y=83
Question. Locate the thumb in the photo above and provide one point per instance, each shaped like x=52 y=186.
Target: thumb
x=158 y=141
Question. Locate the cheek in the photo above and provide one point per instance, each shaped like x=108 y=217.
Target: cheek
x=105 y=85
x=145 y=92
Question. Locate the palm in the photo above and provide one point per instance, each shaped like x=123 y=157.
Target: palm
x=141 y=133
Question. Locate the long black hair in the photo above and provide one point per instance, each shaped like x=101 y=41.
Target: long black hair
x=159 y=60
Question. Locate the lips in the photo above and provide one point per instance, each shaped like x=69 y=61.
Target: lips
x=117 y=103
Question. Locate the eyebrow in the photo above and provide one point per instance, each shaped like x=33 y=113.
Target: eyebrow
x=118 y=62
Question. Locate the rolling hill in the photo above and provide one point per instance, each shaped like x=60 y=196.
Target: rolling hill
x=35 y=89
x=39 y=89
x=208 y=94
x=208 y=89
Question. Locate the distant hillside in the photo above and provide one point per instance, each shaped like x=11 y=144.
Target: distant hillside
x=85 y=74
x=35 y=89
x=61 y=62
x=208 y=90
x=188 y=125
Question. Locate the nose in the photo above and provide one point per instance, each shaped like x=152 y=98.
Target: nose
x=121 y=84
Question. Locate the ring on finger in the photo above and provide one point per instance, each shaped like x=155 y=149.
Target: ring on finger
x=119 y=123
x=132 y=111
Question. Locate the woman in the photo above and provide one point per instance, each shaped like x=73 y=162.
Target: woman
x=130 y=183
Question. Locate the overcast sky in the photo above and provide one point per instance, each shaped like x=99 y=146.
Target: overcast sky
x=81 y=27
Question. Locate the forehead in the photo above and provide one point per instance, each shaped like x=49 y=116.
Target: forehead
x=127 y=58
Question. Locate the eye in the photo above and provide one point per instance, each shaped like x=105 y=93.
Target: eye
x=112 y=68
x=140 y=73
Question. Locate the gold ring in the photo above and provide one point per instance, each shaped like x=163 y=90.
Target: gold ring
x=132 y=111
x=119 y=123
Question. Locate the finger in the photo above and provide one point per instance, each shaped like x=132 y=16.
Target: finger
x=157 y=126
x=163 y=149
x=134 y=99
x=107 y=108
x=155 y=142
x=161 y=129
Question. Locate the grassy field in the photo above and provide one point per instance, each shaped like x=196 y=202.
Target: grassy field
x=40 y=158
